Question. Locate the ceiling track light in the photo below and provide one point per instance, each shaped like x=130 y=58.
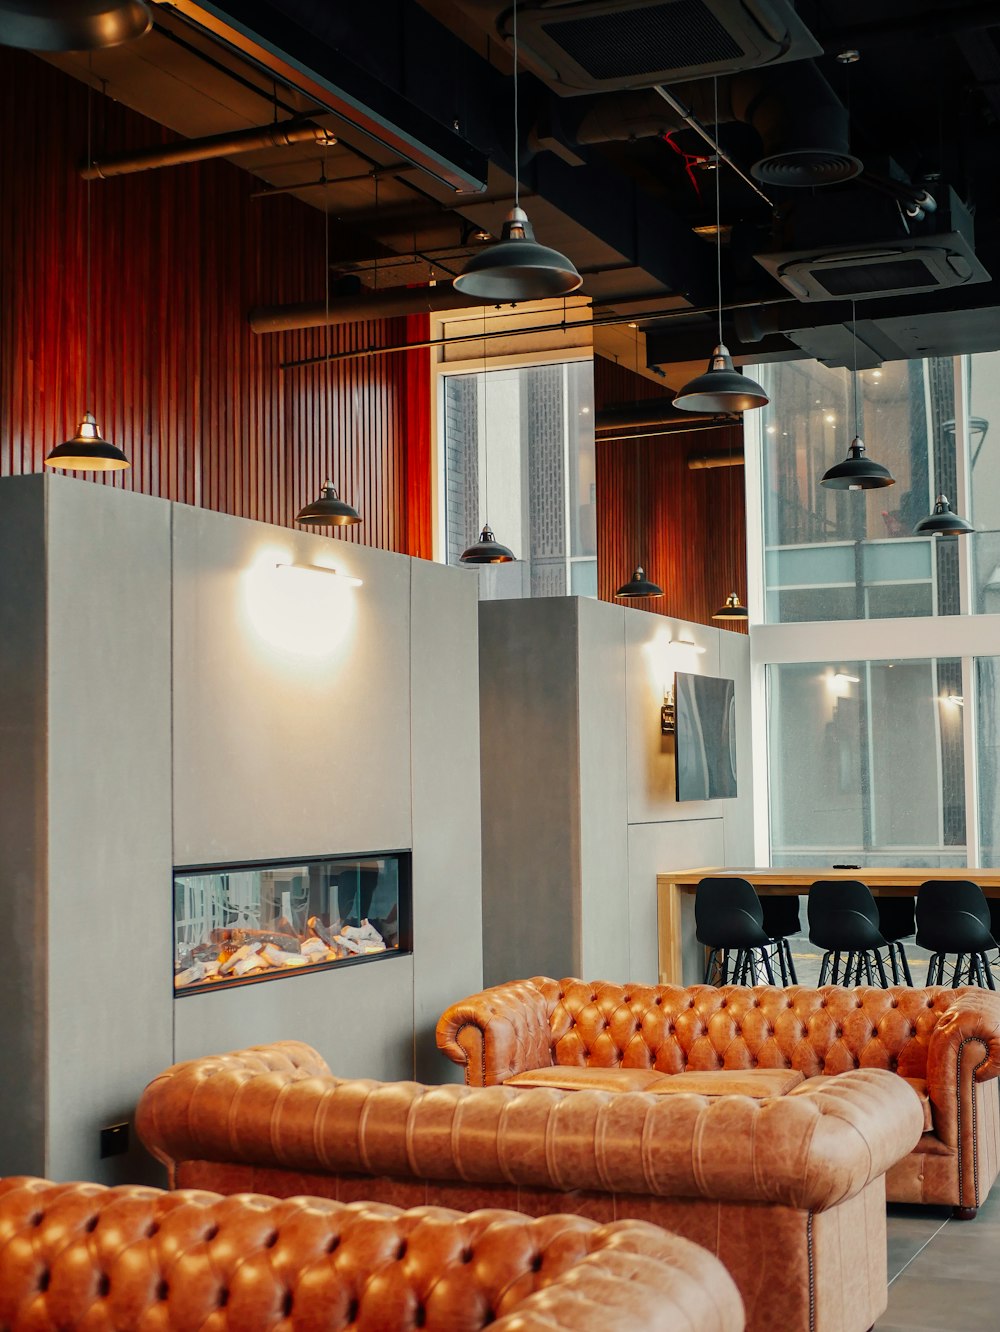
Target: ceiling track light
x=72 y=25
x=517 y=268
x=942 y=522
x=721 y=388
x=857 y=471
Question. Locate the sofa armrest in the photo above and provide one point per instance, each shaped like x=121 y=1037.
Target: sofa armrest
x=497 y=1033
x=964 y=1049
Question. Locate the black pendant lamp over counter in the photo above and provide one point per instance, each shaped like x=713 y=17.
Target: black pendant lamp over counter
x=487 y=550
x=732 y=610
x=87 y=451
x=72 y=25
x=942 y=522
x=638 y=586
x=328 y=511
x=857 y=471
x=517 y=268
x=722 y=388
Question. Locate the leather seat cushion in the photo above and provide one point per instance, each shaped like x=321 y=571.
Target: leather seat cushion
x=584 y=1077
x=758 y=1082
x=918 y=1085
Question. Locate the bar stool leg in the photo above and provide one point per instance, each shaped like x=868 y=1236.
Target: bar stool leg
x=862 y=958
x=904 y=963
x=765 y=957
x=893 y=964
x=866 y=957
x=752 y=957
x=975 y=970
x=824 y=967
x=781 y=961
x=991 y=983
x=956 y=976
x=881 y=970
x=791 y=964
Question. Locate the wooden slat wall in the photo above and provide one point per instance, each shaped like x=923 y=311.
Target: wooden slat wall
x=195 y=399
x=690 y=530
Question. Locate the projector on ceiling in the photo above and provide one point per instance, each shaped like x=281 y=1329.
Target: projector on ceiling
x=932 y=256
x=588 y=46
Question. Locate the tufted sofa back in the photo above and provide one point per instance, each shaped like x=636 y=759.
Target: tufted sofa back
x=671 y=1028
x=79 y=1255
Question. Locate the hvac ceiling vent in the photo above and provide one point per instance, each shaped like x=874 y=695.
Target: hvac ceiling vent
x=588 y=46
x=938 y=255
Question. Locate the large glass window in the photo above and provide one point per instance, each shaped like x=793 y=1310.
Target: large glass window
x=867 y=763
x=853 y=555
x=983 y=378
x=519 y=453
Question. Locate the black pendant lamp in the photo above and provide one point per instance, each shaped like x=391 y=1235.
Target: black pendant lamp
x=517 y=268
x=87 y=451
x=721 y=388
x=732 y=610
x=487 y=550
x=942 y=522
x=638 y=586
x=857 y=471
x=72 y=25
x=328 y=511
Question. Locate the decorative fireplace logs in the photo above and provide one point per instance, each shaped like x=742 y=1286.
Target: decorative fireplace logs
x=237 y=952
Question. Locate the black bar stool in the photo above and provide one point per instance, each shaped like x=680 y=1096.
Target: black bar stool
x=728 y=919
x=843 y=921
x=953 y=917
x=781 y=918
x=896 y=922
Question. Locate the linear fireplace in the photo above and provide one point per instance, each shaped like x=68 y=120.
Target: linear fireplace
x=237 y=924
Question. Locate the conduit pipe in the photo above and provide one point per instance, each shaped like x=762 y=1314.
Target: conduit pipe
x=715 y=459
x=282 y=134
x=652 y=413
x=386 y=304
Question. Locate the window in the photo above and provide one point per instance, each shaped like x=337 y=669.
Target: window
x=519 y=454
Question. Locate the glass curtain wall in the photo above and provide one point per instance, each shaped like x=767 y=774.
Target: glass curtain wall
x=844 y=555
x=867 y=763
x=519 y=453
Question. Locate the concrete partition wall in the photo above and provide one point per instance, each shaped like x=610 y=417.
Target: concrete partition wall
x=579 y=806
x=169 y=697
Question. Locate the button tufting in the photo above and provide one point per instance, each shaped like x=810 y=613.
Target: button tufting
x=466 y=1255
x=90 y=1225
x=211 y=1233
x=536 y=1263
x=271 y=1240
x=289 y=1300
x=401 y=1251
x=332 y=1243
x=44 y=1277
x=162 y=1290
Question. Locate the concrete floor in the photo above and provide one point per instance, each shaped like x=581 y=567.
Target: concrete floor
x=944 y=1275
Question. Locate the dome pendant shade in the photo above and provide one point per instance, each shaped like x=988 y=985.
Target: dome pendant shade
x=517 y=268
x=638 y=586
x=732 y=610
x=87 y=451
x=857 y=471
x=72 y=25
x=942 y=522
x=721 y=388
x=328 y=511
x=487 y=550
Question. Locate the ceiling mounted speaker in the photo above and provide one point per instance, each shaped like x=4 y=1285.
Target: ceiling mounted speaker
x=587 y=46
x=72 y=25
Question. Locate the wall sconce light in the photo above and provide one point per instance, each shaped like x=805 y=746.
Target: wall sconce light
x=953 y=700
x=687 y=645
x=668 y=713
x=347 y=579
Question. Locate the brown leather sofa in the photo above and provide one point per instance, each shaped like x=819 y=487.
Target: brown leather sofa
x=787 y=1192
x=82 y=1256
x=663 y=1038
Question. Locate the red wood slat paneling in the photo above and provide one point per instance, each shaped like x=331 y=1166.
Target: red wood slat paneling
x=195 y=399
x=690 y=531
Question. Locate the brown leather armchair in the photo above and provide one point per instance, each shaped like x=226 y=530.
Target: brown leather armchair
x=787 y=1192
x=572 y=1033
x=79 y=1255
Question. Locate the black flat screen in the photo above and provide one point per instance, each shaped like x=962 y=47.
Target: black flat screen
x=706 y=737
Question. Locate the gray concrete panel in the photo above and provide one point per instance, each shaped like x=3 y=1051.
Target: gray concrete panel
x=447 y=861
x=360 y=1018
x=530 y=759
x=603 y=792
x=657 y=848
x=110 y=964
x=734 y=653
x=23 y=850
x=291 y=694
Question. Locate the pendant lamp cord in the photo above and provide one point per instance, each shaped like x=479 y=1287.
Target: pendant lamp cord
x=638 y=460
x=517 y=143
x=854 y=331
x=718 y=214
x=486 y=437
x=89 y=373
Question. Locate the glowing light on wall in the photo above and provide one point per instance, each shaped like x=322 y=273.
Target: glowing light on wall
x=299 y=610
x=839 y=683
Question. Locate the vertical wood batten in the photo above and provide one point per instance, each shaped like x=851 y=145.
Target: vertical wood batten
x=197 y=401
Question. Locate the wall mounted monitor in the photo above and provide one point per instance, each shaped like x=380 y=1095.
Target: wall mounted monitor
x=705 y=752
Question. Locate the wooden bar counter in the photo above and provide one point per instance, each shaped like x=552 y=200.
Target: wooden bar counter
x=793 y=881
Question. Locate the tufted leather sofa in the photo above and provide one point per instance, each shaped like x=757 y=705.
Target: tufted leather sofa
x=787 y=1192
x=945 y=1043
x=83 y=1256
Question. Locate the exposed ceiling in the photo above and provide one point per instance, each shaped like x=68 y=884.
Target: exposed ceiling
x=419 y=97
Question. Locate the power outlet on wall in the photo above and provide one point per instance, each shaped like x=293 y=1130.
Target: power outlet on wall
x=114 y=1140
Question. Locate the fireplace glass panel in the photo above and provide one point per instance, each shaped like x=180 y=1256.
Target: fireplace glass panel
x=241 y=923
